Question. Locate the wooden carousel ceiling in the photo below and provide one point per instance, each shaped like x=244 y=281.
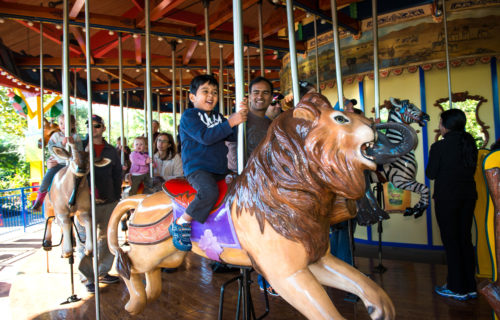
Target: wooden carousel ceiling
x=174 y=23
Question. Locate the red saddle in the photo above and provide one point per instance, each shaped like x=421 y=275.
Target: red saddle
x=181 y=191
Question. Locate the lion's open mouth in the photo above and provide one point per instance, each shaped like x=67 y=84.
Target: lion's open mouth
x=364 y=150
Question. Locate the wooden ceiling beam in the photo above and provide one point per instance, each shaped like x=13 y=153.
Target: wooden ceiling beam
x=100 y=53
x=139 y=4
x=81 y=42
x=125 y=24
x=160 y=10
x=221 y=16
x=164 y=63
x=49 y=33
x=126 y=79
x=189 y=52
x=275 y=23
x=76 y=8
x=162 y=78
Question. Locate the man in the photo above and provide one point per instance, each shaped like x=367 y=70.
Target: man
x=156 y=130
x=108 y=181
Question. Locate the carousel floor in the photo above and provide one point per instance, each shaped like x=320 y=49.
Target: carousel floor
x=193 y=293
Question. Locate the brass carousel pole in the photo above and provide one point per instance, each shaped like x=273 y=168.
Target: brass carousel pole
x=207 y=36
x=173 y=44
x=293 y=52
x=448 y=72
x=221 y=80
x=42 y=113
x=338 y=65
x=120 y=95
x=261 y=40
x=148 y=84
x=316 y=56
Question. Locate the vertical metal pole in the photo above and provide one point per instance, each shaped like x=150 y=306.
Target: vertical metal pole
x=248 y=69
x=316 y=57
x=65 y=69
x=375 y=59
x=109 y=110
x=158 y=108
x=42 y=113
x=293 y=52
x=448 y=71
x=228 y=101
x=261 y=40
x=91 y=157
x=174 y=109
x=75 y=93
x=207 y=37
x=128 y=112
x=239 y=76
x=338 y=64
x=120 y=95
x=181 y=100
x=221 y=80
x=148 y=84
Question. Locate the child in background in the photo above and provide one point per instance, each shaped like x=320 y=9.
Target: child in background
x=139 y=168
x=54 y=163
x=203 y=133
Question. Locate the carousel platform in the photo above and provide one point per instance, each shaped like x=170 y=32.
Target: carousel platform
x=193 y=291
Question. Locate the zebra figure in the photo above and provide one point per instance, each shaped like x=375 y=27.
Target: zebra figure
x=402 y=172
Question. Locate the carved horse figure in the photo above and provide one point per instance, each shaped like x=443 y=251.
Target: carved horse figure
x=48 y=130
x=275 y=216
x=69 y=196
x=403 y=171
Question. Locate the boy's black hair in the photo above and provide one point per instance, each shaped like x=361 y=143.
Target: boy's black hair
x=198 y=81
x=261 y=79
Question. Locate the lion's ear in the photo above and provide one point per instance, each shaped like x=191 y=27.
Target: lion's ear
x=302 y=113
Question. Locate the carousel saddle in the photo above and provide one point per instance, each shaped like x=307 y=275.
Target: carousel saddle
x=218 y=230
x=182 y=193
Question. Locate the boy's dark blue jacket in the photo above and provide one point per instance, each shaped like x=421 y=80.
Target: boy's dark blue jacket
x=203 y=137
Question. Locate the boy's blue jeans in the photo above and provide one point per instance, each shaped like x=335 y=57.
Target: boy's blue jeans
x=205 y=184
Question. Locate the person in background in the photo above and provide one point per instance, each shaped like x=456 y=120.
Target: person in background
x=156 y=130
x=126 y=153
x=139 y=167
x=168 y=163
x=54 y=163
x=452 y=163
x=108 y=181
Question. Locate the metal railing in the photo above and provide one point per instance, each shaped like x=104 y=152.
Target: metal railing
x=16 y=212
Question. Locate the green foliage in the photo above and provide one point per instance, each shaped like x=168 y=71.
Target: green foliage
x=472 y=126
x=14 y=170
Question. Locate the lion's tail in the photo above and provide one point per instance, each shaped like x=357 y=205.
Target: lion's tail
x=123 y=263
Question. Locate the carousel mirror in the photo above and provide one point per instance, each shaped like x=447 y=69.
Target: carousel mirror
x=470 y=106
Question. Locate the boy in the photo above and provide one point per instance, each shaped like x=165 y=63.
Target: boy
x=204 y=153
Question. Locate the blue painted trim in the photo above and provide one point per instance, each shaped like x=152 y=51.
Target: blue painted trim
x=369 y=232
x=361 y=95
x=494 y=84
x=425 y=145
x=401 y=245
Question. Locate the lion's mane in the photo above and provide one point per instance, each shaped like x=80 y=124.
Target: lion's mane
x=292 y=178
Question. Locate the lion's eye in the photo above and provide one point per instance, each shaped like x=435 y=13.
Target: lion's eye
x=341 y=119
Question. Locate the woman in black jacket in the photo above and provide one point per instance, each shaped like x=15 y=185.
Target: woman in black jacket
x=452 y=162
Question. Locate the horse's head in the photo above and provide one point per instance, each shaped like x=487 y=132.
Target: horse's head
x=409 y=112
x=78 y=160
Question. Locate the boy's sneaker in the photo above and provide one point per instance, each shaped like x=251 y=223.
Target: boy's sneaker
x=90 y=287
x=472 y=295
x=445 y=292
x=109 y=279
x=269 y=289
x=181 y=236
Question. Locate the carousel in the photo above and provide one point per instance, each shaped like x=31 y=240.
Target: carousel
x=326 y=160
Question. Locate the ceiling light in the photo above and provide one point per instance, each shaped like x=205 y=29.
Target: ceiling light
x=30 y=23
x=170 y=70
x=3 y=73
x=27 y=87
x=111 y=32
x=169 y=89
x=157 y=90
x=36 y=89
x=83 y=30
x=187 y=70
x=51 y=69
x=2 y=20
x=275 y=52
x=156 y=70
x=201 y=43
x=34 y=70
x=135 y=36
x=221 y=46
x=58 y=27
x=308 y=14
x=180 y=41
x=258 y=50
x=160 y=39
x=9 y=77
x=322 y=21
x=133 y=91
x=137 y=70
x=253 y=71
x=112 y=92
x=102 y=93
